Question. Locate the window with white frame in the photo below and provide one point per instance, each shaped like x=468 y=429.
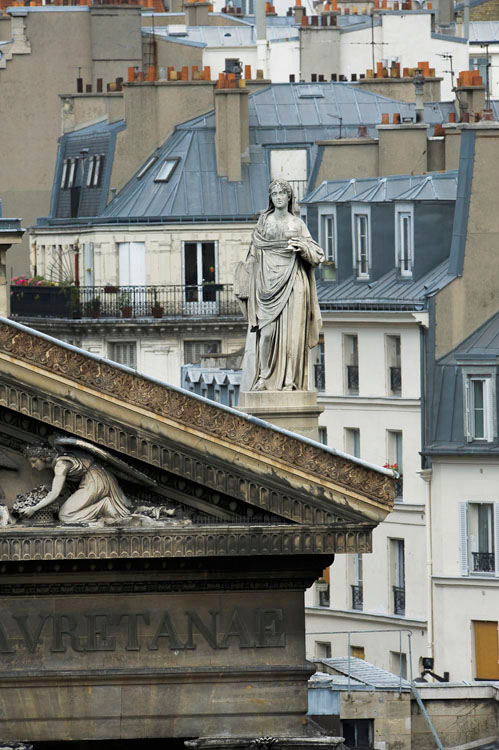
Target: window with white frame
x=351 y=364
x=352 y=441
x=95 y=168
x=328 y=242
x=393 y=365
x=404 y=238
x=479 y=538
x=69 y=173
x=479 y=401
x=166 y=169
x=361 y=231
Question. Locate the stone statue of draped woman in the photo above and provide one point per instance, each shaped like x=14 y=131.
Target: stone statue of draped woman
x=276 y=286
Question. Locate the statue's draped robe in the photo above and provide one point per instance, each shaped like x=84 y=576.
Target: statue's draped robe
x=98 y=494
x=283 y=311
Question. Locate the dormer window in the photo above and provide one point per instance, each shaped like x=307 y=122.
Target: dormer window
x=361 y=230
x=404 y=239
x=69 y=173
x=479 y=398
x=328 y=242
x=95 y=168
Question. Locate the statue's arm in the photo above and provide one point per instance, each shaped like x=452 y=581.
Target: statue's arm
x=308 y=249
x=61 y=470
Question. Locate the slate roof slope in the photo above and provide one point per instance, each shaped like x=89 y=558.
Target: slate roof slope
x=362 y=673
x=280 y=114
x=445 y=402
x=390 y=292
x=430 y=187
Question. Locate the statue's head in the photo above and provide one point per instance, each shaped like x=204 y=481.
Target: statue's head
x=40 y=455
x=278 y=186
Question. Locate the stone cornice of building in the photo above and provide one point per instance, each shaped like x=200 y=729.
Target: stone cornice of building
x=159 y=424
x=231 y=540
x=399 y=620
x=370 y=316
x=414 y=404
x=475 y=581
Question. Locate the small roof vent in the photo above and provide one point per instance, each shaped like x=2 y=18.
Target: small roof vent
x=177 y=29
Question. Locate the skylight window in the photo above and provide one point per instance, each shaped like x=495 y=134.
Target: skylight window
x=310 y=92
x=166 y=170
x=147 y=166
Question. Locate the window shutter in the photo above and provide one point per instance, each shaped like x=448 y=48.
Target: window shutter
x=496 y=539
x=468 y=427
x=489 y=409
x=463 y=539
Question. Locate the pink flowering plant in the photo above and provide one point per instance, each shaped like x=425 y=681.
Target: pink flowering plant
x=31 y=281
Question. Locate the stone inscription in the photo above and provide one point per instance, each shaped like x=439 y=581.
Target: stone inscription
x=145 y=630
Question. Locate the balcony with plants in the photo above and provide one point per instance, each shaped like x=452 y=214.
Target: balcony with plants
x=36 y=297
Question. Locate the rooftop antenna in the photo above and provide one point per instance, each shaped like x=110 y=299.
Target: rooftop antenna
x=337 y=117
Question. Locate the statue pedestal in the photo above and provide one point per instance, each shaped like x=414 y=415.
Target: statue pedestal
x=297 y=411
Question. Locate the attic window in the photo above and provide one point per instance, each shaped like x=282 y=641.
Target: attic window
x=166 y=170
x=68 y=173
x=147 y=166
x=310 y=92
x=95 y=167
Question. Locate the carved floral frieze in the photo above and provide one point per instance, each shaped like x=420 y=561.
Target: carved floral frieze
x=183 y=409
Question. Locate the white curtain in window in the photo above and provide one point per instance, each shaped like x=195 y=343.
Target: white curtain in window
x=132 y=263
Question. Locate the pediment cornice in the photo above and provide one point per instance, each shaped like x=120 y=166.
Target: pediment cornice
x=218 y=434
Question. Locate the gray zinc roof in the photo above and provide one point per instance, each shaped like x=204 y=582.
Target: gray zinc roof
x=390 y=292
x=445 y=404
x=363 y=673
x=281 y=113
x=429 y=187
x=484 y=31
x=220 y=36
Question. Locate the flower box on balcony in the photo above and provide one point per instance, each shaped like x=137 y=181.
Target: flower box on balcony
x=43 y=301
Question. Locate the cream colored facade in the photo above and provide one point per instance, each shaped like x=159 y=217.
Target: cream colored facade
x=160 y=345
x=377 y=415
x=460 y=599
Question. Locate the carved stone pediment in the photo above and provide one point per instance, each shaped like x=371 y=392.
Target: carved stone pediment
x=220 y=466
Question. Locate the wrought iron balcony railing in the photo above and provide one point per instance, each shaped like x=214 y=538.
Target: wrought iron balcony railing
x=357 y=597
x=399 y=600
x=483 y=562
x=173 y=301
x=320 y=377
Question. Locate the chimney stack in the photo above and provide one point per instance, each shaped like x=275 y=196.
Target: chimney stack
x=261 y=37
x=232 y=130
x=196 y=13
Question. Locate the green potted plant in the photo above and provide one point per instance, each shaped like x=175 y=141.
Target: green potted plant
x=92 y=308
x=126 y=305
x=156 y=309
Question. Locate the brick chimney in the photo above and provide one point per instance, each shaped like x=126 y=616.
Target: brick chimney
x=232 y=131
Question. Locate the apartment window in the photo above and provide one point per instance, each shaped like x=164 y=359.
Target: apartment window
x=322 y=650
x=351 y=364
x=88 y=262
x=358 y=733
x=323 y=435
x=328 y=242
x=361 y=242
x=200 y=274
x=395 y=458
x=166 y=170
x=479 y=538
x=320 y=366
x=479 y=399
x=352 y=441
x=397 y=552
x=393 y=362
x=69 y=173
x=194 y=350
x=398 y=663
x=124 y=352
x=290 y=164
x=95 y=168
x=404 y=239
x=357 y=587
x=322 y=588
